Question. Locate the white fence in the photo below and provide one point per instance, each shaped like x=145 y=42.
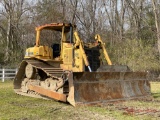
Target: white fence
x=7 y=74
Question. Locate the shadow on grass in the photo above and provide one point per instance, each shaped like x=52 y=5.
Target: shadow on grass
x=156 y=95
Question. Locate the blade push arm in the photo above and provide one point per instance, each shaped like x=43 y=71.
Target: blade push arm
x=79 y=42
x=98 y=38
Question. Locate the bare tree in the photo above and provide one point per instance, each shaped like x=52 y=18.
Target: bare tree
x=136 y=9
x=122 y=19
x=63 y=4
x=115 y=18
x=74 y=5
x=87 y=18
x=12 y=11
x=155 y=9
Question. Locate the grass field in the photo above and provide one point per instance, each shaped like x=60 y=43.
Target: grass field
x=17 y=107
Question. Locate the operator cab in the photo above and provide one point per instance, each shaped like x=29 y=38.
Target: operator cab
x=56 y=49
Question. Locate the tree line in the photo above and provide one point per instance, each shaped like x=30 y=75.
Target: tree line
x=130 y=28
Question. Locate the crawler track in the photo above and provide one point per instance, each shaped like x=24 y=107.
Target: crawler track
x=48 y=69
x=53 y=73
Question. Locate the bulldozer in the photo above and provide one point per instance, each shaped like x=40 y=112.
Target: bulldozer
x=73 y=71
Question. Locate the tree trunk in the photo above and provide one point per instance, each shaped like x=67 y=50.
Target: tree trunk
x=7 y=52
x=154 y=2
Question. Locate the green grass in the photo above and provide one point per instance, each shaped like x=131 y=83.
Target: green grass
x=155 y=88
x=17 y=107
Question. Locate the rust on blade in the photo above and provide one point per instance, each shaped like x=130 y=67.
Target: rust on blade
x=48 y=93
x=107 y=86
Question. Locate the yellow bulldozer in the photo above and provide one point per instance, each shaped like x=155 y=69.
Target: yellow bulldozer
x=73 y=71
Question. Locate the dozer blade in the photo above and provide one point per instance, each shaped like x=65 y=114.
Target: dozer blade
x=100 y=87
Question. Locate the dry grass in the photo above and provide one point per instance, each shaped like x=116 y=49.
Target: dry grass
x=16 y=107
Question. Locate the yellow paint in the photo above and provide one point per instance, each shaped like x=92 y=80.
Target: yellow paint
x=98 y=38
x=72 y=55
x=82 y=52
x=40 y=52
x=38 y=38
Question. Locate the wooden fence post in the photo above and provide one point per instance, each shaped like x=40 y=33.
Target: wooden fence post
x=3 y=74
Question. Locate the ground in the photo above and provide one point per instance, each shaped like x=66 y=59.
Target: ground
x=17 y=107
